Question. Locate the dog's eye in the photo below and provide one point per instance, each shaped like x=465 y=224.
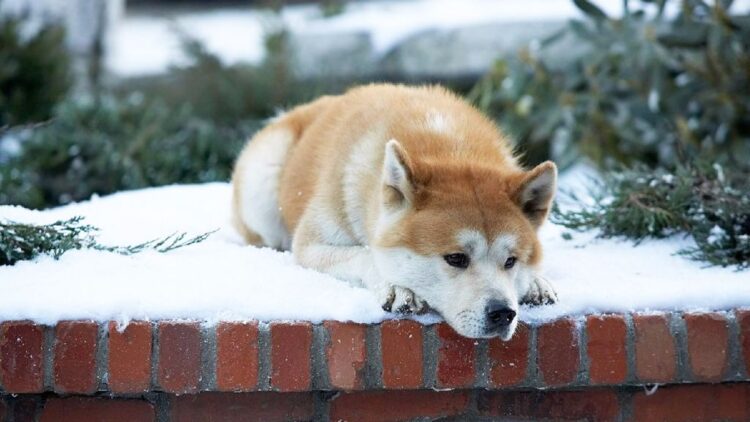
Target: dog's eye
x=458 y=260
x=510 y=262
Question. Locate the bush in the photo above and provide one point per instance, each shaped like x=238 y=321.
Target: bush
x=19 y=242
x=705 y=201
x=228 y=93
x=109 y=144
x=645 y=89
x=185 y=127
x=34 y=72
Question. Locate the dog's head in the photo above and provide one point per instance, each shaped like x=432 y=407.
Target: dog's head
x=462 y=237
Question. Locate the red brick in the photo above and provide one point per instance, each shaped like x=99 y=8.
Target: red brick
x=237 y=356
x=179 y=357
x=699 y=402
x=384 y=406
x=256 y=406
x=509 y=360
x=75 y=357
x=346 y=355
x=290 y=356
x=558 y=352
x=401 y=348
x=455 y=367
x=707 y=336
x=655 y=355
x=130 y=357
x=743 y=320
x=606 y=337
x=584 y=405
x=21 y=349
x=90 y=409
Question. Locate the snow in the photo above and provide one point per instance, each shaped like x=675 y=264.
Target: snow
x=143 y=45
x=218 y=279
x=221 y=279
x=149 y=44
x=716 y=235
x=391 y=22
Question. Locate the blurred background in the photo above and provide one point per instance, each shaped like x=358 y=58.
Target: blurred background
x=98 y=96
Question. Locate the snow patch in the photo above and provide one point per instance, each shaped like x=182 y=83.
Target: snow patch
x=222 y=279
x=143 y=45
x=716 y=235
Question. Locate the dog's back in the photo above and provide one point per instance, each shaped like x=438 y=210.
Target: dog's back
x=333 y=148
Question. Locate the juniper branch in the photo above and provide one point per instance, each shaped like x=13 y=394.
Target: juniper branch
x=19 y=241
x=697 y=200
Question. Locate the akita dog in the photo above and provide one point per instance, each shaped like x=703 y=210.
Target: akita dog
x=408 y=191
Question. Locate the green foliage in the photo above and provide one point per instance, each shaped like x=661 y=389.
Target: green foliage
x=642 y=88
x=34 y=72
x=704 y=201
x=109 y=144
x=228 y=93
x=331 y=8
x=186 y=127
x=19 y=242
x=163 y=245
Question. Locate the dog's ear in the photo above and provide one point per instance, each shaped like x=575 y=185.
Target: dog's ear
x=398 y=180
x=535 y=192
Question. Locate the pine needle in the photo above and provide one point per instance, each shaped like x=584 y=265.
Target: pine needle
x=699 y=200
x=19 y=241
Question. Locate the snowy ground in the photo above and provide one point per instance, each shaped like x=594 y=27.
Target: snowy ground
x=149 y=44
x=220 y=279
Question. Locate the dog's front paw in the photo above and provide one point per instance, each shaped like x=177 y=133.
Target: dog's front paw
x=402 y=300
x=540 y=292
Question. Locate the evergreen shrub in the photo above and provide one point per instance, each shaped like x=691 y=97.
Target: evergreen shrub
x=34 y=71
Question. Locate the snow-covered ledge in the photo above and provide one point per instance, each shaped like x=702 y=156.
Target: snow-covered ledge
x=220 y=327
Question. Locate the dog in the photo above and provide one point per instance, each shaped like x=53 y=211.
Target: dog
x=410 y=192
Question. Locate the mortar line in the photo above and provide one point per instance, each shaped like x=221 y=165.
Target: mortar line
x=154 y=355
x=735 y=370
x=264 y=356
x=584 y=373
x=207 y=380
x=319 y=370
x=102 y=357
x=374 y=365
x=48 y=352
x=630 y=377
x=678 y=329
x=430 y=350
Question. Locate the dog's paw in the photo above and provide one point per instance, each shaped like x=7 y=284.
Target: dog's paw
x=403 y=301
x=540 y=292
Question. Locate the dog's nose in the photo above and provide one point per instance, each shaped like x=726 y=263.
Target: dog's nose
x=499 y=315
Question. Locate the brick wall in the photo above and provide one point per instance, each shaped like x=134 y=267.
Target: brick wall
x=591 y=368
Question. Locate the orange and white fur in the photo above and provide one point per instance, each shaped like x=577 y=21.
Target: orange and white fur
x=408 y=191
